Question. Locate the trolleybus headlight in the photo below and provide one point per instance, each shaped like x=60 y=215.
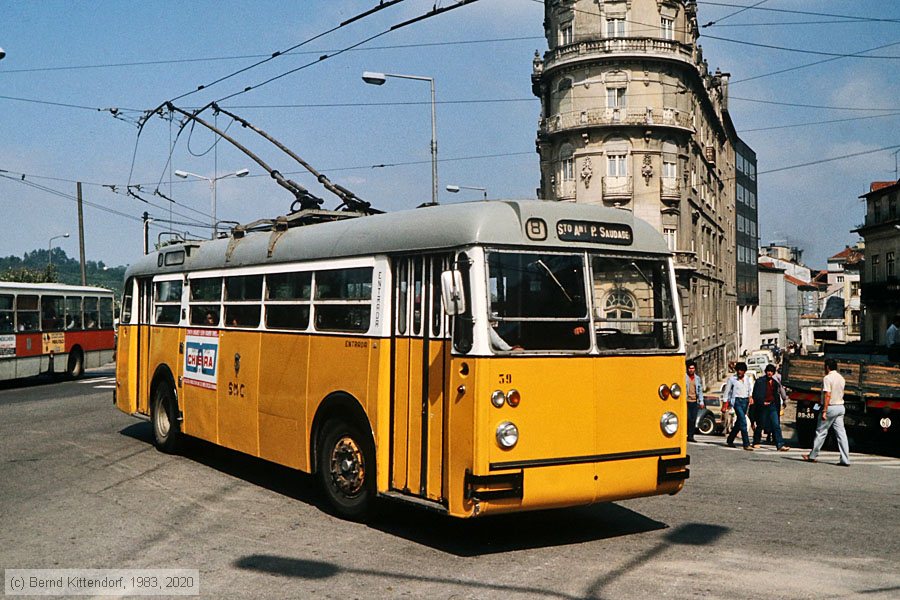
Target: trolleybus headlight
x=513 y=398
x=507 y=434
x=676 y=391
x=498 y=398
x=664 y=392
x=669 y=423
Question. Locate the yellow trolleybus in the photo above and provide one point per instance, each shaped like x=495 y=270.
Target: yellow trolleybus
x=475 y=358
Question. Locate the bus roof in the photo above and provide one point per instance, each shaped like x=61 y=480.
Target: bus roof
x=9 y=287
x=501 y=223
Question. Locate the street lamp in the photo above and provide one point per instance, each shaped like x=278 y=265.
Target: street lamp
x=50 y=248
x=379 y=79
x=212 y=190
x=455 y=189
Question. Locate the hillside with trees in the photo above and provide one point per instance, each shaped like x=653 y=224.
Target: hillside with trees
x=35 y=267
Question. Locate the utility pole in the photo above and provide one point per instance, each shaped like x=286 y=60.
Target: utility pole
x=81 y=232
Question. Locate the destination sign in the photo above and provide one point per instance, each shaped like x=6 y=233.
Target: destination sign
x=598 y=233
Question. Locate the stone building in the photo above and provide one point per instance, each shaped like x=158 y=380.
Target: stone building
x=881 y=273
x=632 y=118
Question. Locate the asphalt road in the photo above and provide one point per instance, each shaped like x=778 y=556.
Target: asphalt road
x=81 y=486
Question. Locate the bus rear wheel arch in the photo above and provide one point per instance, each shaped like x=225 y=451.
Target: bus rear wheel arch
x=167 y=436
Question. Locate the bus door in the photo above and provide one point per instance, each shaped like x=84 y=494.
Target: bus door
x=419 y=359
x=127 y=350
x=140 y=347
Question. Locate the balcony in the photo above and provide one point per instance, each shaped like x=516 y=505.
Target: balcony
x=670 y=195
x=617 y=191
x=617 y=48
x=599 y=117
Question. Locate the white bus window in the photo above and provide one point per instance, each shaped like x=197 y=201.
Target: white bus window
x=287 y=300
x=106 y=314
x=73 y=312
x=7 y=316
x=167 y=308
x=242 y=297
x=52 y=313
x=206 y=294
x=91 y=315
x=343 y=299
x=27 y=313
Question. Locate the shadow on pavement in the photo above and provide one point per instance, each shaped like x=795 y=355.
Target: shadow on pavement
x=284 y=566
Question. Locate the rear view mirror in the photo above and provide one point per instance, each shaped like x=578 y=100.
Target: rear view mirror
x=452 y=293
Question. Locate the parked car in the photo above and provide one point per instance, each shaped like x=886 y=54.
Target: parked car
x=710 y=419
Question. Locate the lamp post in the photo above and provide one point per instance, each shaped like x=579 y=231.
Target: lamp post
x=212 y=190
x=50 y=248
x=379 y=79
x=455 y=189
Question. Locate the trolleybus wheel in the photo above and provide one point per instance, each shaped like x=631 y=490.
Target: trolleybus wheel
x=706 y=425
x=346 y=468
x=75 y=366
x=167 y=434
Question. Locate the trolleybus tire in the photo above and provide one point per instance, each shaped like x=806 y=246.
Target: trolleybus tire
x=346 y=469
x=167 y=436
x=75 y=364
x=707 y=425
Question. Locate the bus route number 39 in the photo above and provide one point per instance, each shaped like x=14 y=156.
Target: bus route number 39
x=236 y=389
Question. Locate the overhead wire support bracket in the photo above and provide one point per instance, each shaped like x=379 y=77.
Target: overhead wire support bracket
x=349 y=200
x=302 y=196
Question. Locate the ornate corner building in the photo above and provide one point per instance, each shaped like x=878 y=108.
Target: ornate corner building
x=632 y=118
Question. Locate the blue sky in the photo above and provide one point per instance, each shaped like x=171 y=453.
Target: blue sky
x=481 y=52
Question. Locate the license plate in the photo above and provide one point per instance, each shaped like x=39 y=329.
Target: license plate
x=806 y=414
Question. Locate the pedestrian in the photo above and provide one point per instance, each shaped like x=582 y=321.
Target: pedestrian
x=737 y=393
x=767 y=394
x=693 y=384
x=832 y=415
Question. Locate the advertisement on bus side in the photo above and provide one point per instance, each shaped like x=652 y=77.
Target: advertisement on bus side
x=7 y=345
x=201 y=354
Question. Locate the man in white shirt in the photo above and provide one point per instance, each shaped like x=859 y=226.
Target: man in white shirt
x=832 y=414
x=737 y=393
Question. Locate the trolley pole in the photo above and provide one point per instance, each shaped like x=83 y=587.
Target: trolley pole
x=81 y=232
x=146 y=219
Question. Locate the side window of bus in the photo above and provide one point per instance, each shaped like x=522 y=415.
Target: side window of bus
x=127 y=297
x=7 y=316
x=242 y=297
x=27 y=315
x=287 y=300
x=106 y=314
x=90 y=313
x=343 y=299
x=73 y=312
x=167 y=302
x=206 y=298
x=52 y=313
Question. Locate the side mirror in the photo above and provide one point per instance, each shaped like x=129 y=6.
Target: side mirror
x=452 y=293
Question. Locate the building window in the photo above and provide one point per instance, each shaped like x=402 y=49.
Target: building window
x=668 y=28
x=889 y=263
x=840 y=279
x=615 y=97
x=669 y=171
x=615 y=165
x=615 y=28
x=671 y=235
x=892 y=207
x=567 y=169
x=566 y=34
x=876 y=260
x=854 y=288
x=740 y=224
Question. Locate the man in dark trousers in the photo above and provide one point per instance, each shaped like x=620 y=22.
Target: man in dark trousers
x=767 y=394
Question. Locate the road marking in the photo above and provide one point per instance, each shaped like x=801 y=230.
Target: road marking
x=98 y=380
x=875 y=460
x=104 y=387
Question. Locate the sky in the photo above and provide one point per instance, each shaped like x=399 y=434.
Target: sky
x=77 y=76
